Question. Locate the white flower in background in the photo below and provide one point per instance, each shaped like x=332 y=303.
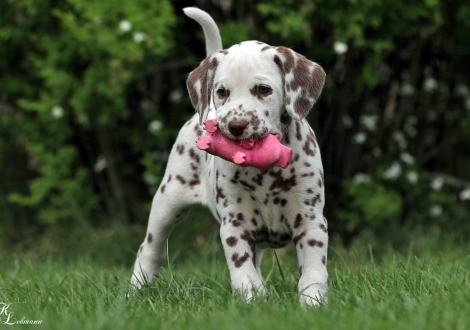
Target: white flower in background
x=57 y=112
x=155 y=126
x=176 y=96
x=100 y=164
x=139 y=36
x=393 y=172
x=467 y=104
x=361 y=178
x=412 y=176
x=430 y=85
x=370 y=122
x=340 y=47
x=437 y=183
x=435 y=210
x=360 y=137
x=125 y=26
x=465 y=194
x=400 y=139
x=407 y=158
x=407 y=89
x=347 y=121
x=462 y=90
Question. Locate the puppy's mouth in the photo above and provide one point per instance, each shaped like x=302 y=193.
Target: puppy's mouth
x=245 y=136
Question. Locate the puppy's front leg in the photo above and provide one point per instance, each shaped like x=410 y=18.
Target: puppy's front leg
x=240 y=251
x=169 y=205
x=311 y=243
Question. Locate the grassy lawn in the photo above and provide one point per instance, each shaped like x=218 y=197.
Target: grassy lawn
x=80 y=282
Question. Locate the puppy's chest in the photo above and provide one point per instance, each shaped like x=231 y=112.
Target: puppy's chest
x=266 y=204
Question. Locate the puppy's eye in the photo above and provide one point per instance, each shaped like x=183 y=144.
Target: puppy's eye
x=222 y=92
x=263 y=89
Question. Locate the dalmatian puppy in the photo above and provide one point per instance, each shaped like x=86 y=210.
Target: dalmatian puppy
x=252 y=89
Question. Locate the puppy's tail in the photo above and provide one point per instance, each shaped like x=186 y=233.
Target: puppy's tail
x=211 y=31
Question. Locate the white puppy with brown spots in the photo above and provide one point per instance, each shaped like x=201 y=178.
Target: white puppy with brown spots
x=252 y=89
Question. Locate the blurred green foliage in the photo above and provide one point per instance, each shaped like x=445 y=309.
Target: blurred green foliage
x=92 y=96
x=371 y=203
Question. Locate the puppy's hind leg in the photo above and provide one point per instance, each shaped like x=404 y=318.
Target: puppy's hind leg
x=168 y=206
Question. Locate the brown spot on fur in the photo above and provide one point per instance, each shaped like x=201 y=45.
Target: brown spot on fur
x=304 y=175
x=162 y=189
x=295 y=158
x=298 y=220
x=149 y=238
x=299 y=237
x=193 y=155
x=180 y=179
x=239 y=261
x=313 y=243
x=231 y=241
x=310 y=145
x=180 y=149
x=247 y=185
x=219 y=193
x=298 y=133
x=323 y=227
x=312 y=202
x=194 y=182
x=258 y=179
x=281 y=183
x=323 y=260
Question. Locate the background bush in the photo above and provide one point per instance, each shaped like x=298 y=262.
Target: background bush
x=92 y=95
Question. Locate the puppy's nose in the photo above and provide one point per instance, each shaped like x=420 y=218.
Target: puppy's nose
x=236 y=127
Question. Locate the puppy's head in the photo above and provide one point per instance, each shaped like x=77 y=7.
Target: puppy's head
x=252 y=85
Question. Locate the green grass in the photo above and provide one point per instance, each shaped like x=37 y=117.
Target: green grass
x=424 y=284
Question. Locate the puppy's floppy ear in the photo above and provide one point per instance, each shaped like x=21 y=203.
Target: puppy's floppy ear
x=199 y=84
x=303 y=81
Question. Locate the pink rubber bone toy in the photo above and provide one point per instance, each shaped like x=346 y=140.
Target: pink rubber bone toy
x=262 y=154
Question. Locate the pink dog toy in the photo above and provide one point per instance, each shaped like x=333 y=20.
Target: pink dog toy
x=262 y=154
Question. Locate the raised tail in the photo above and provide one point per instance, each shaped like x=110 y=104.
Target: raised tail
x=211 y=31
